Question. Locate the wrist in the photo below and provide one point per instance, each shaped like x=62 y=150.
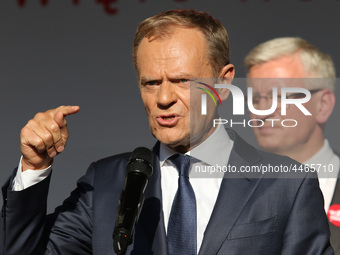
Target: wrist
x=27 y=165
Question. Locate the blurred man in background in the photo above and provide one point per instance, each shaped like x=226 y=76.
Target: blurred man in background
x=285 y=61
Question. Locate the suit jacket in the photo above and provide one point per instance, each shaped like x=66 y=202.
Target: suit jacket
x=335 y=230
x=252 y=214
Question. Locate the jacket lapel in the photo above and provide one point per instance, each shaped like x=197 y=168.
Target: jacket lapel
x=235 y=191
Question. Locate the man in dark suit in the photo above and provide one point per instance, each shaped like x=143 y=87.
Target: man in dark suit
x=243 y=213
x=288 y=59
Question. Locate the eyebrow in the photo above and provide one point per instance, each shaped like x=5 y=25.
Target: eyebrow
x=146 y=78
x=176 y=76
x=181 y=75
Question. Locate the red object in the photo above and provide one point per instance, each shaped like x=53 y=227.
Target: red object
x=44 y=2
x=334 y=215
x=108 y=6
x=21 y=2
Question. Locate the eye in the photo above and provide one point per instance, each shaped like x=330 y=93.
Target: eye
x=256 y=100
x=151 y=83
x=184 y=80
x=180 y=81
x=296 y=95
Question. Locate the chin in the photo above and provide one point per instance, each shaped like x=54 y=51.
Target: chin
x=172 y=139
x=270 y=147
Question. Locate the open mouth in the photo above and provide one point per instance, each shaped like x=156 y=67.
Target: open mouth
x=167 y=120
x=168 y=117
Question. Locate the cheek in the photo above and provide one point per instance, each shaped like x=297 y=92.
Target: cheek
x=148 y=102
x=310 y=106
x=304 y=128
x=188 y=98
x=295 y=113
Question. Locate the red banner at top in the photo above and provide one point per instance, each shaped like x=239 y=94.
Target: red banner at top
x=109 y=5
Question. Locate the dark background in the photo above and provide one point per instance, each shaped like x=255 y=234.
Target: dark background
x=79 y=52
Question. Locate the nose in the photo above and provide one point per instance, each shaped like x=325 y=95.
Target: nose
x=166 y=95
x=266 y=103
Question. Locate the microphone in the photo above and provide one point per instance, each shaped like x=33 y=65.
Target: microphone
x=138 y=170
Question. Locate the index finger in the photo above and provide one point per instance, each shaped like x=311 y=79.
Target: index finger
x=67 y=109
x=63 y=111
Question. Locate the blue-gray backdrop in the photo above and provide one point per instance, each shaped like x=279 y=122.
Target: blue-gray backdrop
x=79 y=52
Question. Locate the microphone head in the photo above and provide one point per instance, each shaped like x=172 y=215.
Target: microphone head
x=141 y=161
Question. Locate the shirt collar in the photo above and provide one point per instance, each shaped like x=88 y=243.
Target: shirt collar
x=324 y=157
x=215 y=150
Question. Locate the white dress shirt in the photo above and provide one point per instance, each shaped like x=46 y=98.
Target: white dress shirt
x=215 y=150
x=326 y=159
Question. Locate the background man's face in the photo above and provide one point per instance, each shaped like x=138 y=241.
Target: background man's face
x=166 y=66
x=279 y=139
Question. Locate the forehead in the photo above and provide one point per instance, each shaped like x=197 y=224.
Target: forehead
x=289 y=66
x=187 y=34
x=182 y=48
x=265 y=85
x=285 y=71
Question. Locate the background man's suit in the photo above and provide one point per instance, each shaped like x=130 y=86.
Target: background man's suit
x=251 y=215
x=335 y=230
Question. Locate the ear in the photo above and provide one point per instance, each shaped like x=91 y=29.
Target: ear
x=325 y=106
x=226 y=75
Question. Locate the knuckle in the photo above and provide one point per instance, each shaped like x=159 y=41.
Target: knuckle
x=50 y=149
x=39 y=143
x=60 y=108
x=30 y=122
x=24 y=131
x=48 y=136
x=54 y=127
x=59 y=141
x=39 y=115
x=57 y=145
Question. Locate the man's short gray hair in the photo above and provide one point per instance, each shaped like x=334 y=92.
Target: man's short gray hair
x=316 y=63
